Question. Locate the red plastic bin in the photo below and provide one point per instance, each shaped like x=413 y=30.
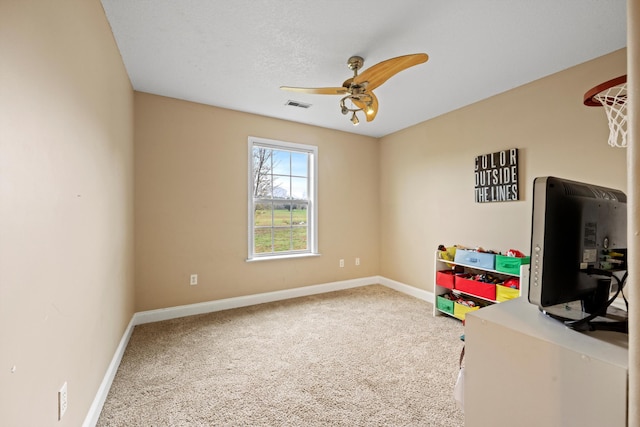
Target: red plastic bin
x=473 y=287
x=445 y=278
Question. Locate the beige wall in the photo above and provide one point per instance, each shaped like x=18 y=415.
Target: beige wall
x=67 y=186
x=66 y=207
x=191 y=204
x=427 y=171
x=413 y=189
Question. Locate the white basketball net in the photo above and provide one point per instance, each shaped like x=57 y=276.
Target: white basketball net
x=614 y=102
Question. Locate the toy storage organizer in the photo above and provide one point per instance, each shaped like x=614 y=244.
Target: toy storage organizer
x=459 y=283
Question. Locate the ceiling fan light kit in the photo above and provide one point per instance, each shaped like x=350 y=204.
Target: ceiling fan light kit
x=359 y=89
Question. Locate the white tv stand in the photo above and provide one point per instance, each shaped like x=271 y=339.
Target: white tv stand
x=523 y=368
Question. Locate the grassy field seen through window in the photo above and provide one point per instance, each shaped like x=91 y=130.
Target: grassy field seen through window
x=280 y=230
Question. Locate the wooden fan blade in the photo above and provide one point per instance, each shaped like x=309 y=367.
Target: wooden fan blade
x=370 y=113
x=317 y=90
x=382 y=71
x=374 y=108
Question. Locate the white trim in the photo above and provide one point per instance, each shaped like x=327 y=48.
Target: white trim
x=250 y=198
x=290 y=256
x=101 y=396
x=312 y=210
x=244 y=301
x=150 y=316
x=276 y=144
x=407 y=289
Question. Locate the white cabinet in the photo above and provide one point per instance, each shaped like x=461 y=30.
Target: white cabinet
x=481 y=298
x=525 y=369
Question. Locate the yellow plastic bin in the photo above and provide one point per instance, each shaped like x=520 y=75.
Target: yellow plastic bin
x=460 y=310
x=504 y=293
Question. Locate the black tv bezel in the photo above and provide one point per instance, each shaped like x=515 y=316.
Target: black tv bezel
x=560 y=281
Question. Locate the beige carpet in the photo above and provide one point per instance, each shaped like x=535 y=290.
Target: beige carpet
x=368 y=356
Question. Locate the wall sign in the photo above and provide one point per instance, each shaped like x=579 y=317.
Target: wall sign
x=497 y=177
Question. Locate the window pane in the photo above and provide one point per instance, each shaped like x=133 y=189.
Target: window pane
x=262 y=215
x=262 y=172
x=281 y=162
x=262 y=240
x=299 y=237
x=299 y=164
x=281 y=239
x=282 y=215
x=281 y=187
x=299 y=188
x=299 y=214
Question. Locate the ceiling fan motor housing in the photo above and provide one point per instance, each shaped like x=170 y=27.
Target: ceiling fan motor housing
x=355 y=63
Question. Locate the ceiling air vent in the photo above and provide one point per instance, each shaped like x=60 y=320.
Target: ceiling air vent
x=297 y=104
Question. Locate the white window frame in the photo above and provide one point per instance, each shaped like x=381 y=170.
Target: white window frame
x=312 y=210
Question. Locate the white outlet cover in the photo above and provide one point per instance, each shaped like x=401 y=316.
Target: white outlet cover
x=62 y=400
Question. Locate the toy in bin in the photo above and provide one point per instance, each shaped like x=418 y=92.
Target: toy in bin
x=485 y=278
x=458 y=299
x=514 y=253
x=513 y=283
x=461 y=306
x=447 y=254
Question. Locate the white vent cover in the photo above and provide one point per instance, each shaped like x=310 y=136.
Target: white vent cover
x=297 y=104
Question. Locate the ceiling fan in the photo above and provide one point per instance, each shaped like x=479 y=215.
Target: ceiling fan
x=359 y=88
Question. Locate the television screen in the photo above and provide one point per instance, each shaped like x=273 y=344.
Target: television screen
x=578 y=245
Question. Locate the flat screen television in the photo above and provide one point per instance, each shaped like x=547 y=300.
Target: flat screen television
x=578 y=251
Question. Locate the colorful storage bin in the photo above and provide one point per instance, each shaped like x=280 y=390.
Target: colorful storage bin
x=509 y=264
x=445 y=278
x=484 y=290
x=460 y=310
x=444 y=304
x=504 y=293
x=475 y=259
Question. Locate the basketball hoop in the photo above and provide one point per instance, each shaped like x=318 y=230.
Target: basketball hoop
x=612 y=96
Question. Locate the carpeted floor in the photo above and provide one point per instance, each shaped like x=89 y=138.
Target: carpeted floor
x=368 y=356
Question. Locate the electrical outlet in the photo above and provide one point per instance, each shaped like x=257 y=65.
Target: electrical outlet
x=62 y=400
x=357 y=261
x=341 y=263
x=193 y=280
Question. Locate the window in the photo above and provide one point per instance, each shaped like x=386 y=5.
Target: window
x=282 y=199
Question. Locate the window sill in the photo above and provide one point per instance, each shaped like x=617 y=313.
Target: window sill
x=277 y=257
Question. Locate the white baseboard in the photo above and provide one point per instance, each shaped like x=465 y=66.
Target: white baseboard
x=101 y=396
x=226 y=304
x=244 y=301
x=407 y=289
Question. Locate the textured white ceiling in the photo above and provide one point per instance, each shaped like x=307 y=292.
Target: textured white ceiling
x=236 y=54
